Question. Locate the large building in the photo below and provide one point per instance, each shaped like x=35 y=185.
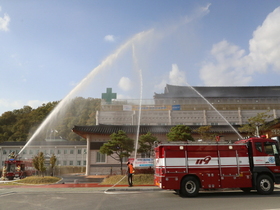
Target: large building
x=224 y=108
x=195 y=106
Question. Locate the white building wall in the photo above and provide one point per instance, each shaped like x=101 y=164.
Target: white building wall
x=199 y=117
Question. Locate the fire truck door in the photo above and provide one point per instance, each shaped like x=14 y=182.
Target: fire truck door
x=272 y=153
x=228 y=163
x=175 y=161
x=235 y=168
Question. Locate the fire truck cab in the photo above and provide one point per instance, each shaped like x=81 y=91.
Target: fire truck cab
x=249 y=164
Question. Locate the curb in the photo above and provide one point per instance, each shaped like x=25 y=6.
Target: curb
x=133 y=189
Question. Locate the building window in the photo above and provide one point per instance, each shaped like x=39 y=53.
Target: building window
x=72 y=151
x=31 y=152
x=84 y=162
x=64 y=162
x=65 y=151
x=71 y=162
x=58 y=151
x=213 y=123
x=79 y=151
x=78 y=162
x=100 y=158
x=4 y=152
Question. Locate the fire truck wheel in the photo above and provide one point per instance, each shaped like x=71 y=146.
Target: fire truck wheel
x=177 y=192
x=189 y=187
x=265 y=185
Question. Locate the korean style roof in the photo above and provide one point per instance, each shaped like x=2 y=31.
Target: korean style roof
x=43 y=143
x=173 y=91
x=143 y=129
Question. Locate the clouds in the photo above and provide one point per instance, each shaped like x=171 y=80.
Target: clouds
x=125 y=84
x=175 y=77
x=265 y=44
x=229 y=65
x=109 y=38
x=4 y=22
x=226 y=67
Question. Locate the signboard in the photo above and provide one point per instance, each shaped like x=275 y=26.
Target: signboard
x=176 y=107
x=142 y=162
x=127 y=108
x=152 y=108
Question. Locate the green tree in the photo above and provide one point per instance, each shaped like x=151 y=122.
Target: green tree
x=39 y=163
x=205 y=134
x=53 y=160
x=19 y=124
x=146 y=144
x=180 y=133
x=119 y=145
x=256 y=125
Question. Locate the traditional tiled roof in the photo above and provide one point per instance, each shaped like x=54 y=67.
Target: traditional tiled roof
x=43 y=143
x=173 y=91
x=143 y=129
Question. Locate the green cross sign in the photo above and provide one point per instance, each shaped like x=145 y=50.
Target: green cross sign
x=108 y=96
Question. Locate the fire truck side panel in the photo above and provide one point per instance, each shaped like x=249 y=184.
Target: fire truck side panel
x=216 y=166
x=235 y=168
x=203 y=163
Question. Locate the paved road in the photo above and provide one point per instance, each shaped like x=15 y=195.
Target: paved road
x=97 y=199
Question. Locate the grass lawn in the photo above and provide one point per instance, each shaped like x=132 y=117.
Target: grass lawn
x=35 y=180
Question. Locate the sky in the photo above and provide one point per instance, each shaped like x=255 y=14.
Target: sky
x=50 y=48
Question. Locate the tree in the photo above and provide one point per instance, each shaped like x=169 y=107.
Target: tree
x=120 y=145
x=39 y=163
x=204 y=132
x=146 y=144
x=19 y=124
x=53 y=160
x=180 y=133
x=256 y=125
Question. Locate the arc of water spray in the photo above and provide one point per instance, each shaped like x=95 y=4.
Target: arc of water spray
x=215 y=110
x=140 y=102
x=108 y=61
x=139 y=113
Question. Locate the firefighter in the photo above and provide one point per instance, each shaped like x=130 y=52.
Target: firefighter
x=12 y=155
x=130 y=171
x=4 y=171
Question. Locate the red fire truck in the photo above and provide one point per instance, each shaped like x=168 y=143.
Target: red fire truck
x=16 y=168
x=249 y=164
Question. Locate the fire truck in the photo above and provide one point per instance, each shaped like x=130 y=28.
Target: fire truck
x=16 y=168
x=248 y=164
